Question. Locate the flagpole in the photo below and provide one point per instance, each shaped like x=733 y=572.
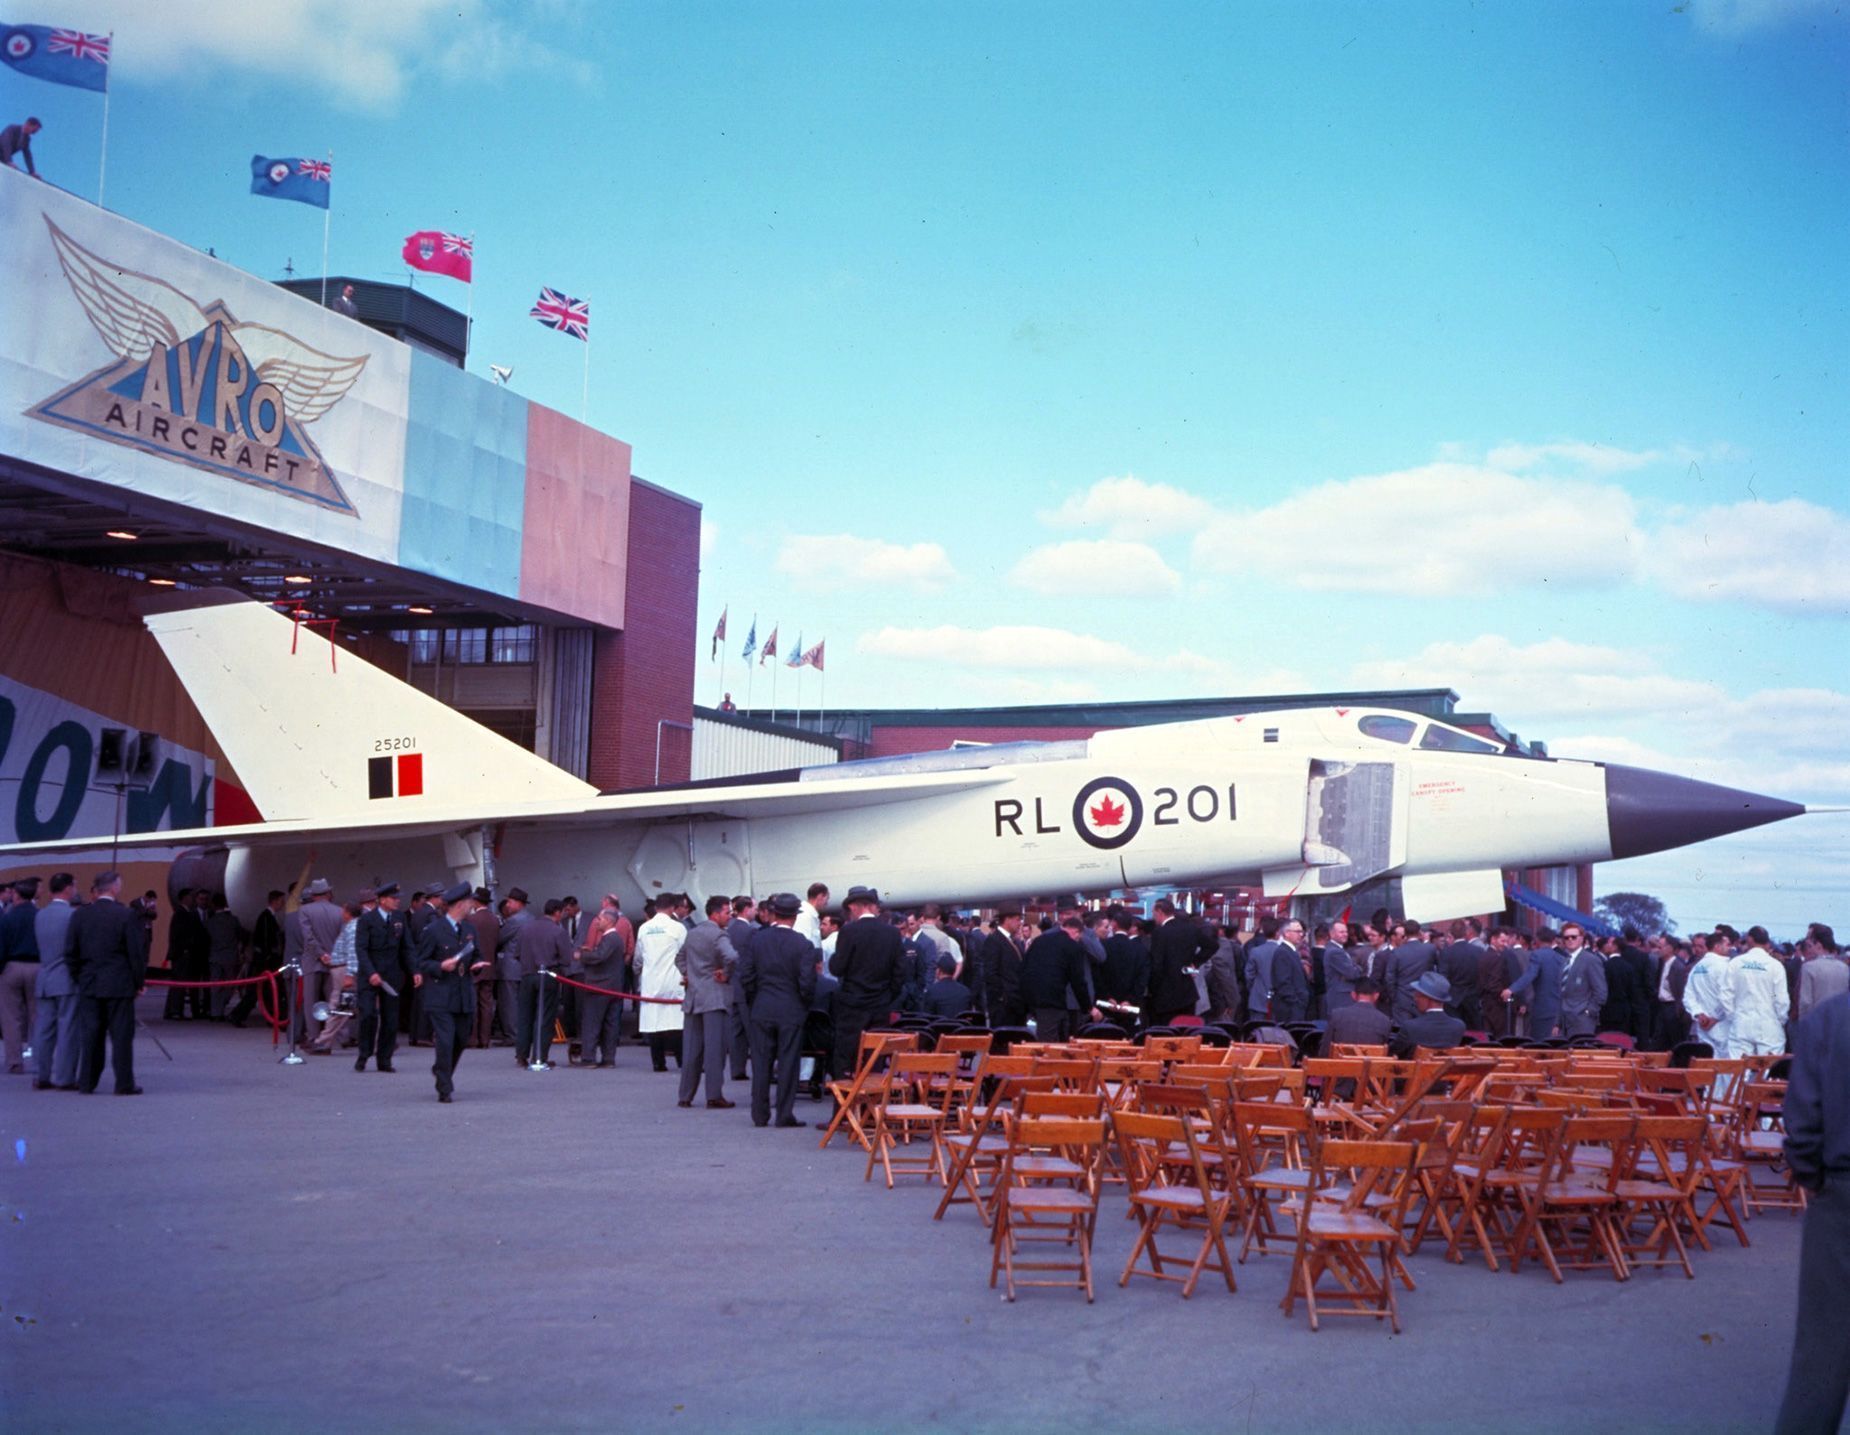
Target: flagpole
x=327 y=223
x=780 y=663
x=102 y=162
x=584 y=407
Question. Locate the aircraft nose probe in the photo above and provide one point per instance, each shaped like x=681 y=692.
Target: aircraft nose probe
x=1650 y=811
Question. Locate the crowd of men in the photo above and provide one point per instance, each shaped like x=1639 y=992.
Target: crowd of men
x=755 y=986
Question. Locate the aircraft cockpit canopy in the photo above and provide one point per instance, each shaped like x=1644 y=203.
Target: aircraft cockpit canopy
x=1437 y=737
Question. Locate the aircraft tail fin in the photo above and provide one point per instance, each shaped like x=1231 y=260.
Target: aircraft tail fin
x=314 y=730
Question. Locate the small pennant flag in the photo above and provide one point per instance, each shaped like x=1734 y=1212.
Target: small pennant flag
x=719 y=632
x=751 y=638
x=307 y=181
x=435 y=252
x=813 y=657
x=770 y=648
x=64 y=57
x=568 y=316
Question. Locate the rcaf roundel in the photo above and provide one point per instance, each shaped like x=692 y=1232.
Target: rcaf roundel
x=1107 y=812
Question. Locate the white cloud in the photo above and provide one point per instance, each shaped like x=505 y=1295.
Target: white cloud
x=1553 y=679
x=709 y=538
x=842 y=560
x=1129 y=506
x=1096 y=568
x=363 y=52
x=1592 y=457
x=1026 y=648
x=1732 y=18
x=1475 y=530
x=1787 y=555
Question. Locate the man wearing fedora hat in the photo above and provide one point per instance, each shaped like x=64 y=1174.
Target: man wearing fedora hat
x=1431 y=1028
x=869 y=957
x=447 y=959
x=319 y=920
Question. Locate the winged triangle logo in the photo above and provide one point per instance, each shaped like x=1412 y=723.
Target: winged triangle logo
x=191 y=383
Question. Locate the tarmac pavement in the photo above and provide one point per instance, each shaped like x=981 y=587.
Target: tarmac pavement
x=250 y=1247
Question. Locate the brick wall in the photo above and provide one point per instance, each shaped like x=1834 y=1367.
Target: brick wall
x=645 y=673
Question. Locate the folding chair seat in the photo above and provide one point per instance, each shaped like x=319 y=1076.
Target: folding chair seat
x=1047 y=1210
x=916 y=1101
x=1170 y=1186
x=1333 y=1267
x=974 y=1153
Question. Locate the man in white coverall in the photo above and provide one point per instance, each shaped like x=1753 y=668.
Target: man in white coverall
x=1760 y=999
x=1708 y=995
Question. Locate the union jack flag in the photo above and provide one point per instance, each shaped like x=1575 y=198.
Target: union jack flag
x=315 y=169
x=79 y=46
x=568 y=316
x=457 y=244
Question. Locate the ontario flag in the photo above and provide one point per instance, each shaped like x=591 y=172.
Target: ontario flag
x=435 y=252
x=568 y=316
x=719 y=632
x=813 y=657
x=398 y=776
x=770 y=648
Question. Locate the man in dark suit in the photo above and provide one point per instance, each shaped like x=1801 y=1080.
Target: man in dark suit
x=1340 y=972
x=187 y=958
x=103 y=947
x=1496 y=969
x=266 y=956
x=1002 y=970
x=1289 y=984
x=1431 y=1028
x=1817 y=1121
x=1358 y=1021
x=544 y=949
x=1180 y=943
x=1053 y=980
x=947 y=997
x=777 y=977
x=1458 y=961
x=447 y=959
x=382 y=945
x=869 y=957
x=1411 y=960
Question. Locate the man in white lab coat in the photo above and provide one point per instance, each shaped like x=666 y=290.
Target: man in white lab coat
x=1760 y=999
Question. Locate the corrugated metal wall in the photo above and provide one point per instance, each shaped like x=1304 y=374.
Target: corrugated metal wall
x=723 y=749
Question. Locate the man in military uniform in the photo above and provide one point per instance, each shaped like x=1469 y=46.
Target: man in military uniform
x=447 y=959
x=382 y=943
x=777 y=978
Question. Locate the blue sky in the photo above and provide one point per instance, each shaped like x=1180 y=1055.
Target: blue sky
x=1039 y=352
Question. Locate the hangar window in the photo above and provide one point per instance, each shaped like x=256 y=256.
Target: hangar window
x=465 y=645
x=512 y=645
x=1388 y=729
x=1449 y=739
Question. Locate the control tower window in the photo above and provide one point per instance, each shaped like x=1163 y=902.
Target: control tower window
x=1388 y=729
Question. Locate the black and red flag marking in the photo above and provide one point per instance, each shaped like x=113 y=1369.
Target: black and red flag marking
x=400 y=776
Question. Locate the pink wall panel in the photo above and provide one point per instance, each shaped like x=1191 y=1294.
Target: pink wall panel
x=574 y=552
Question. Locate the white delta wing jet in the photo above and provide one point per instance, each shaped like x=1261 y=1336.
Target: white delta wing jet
x=377 y=781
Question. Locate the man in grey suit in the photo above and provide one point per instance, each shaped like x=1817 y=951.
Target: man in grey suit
x=600 y=1017
x=507 y=961
x=1541 y=979
x=54 y=1035
x=1583 y=984
x=706 y=962
x=1259 y=958
x=1340 y=972
x=319 y=920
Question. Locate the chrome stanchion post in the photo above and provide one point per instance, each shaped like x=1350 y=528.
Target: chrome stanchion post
x=292 y=1057
x=536 y=1062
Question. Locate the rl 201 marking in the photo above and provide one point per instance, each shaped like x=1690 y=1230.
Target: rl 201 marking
x=1108 y=811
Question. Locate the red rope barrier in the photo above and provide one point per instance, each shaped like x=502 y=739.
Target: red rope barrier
x=269 y=1009
x=621 y=996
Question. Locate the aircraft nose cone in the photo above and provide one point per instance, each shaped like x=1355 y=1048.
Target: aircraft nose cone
x=1650 y=811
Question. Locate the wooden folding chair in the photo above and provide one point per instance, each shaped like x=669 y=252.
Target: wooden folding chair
x=1570 y=1201
x=1479 y=1148
x=1331 y=1267
x=1172 y=1048
x=976 y=1151
x=856 y=1093
x=1760 y=1144
x=1047 y=1209
x=1272 y=1139
x=1662 y=1189
x=1069 y=1073
x=1170 y=1185
x=915 y=1101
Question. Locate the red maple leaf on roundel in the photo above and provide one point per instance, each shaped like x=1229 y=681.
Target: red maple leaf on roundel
x=1107 y=813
